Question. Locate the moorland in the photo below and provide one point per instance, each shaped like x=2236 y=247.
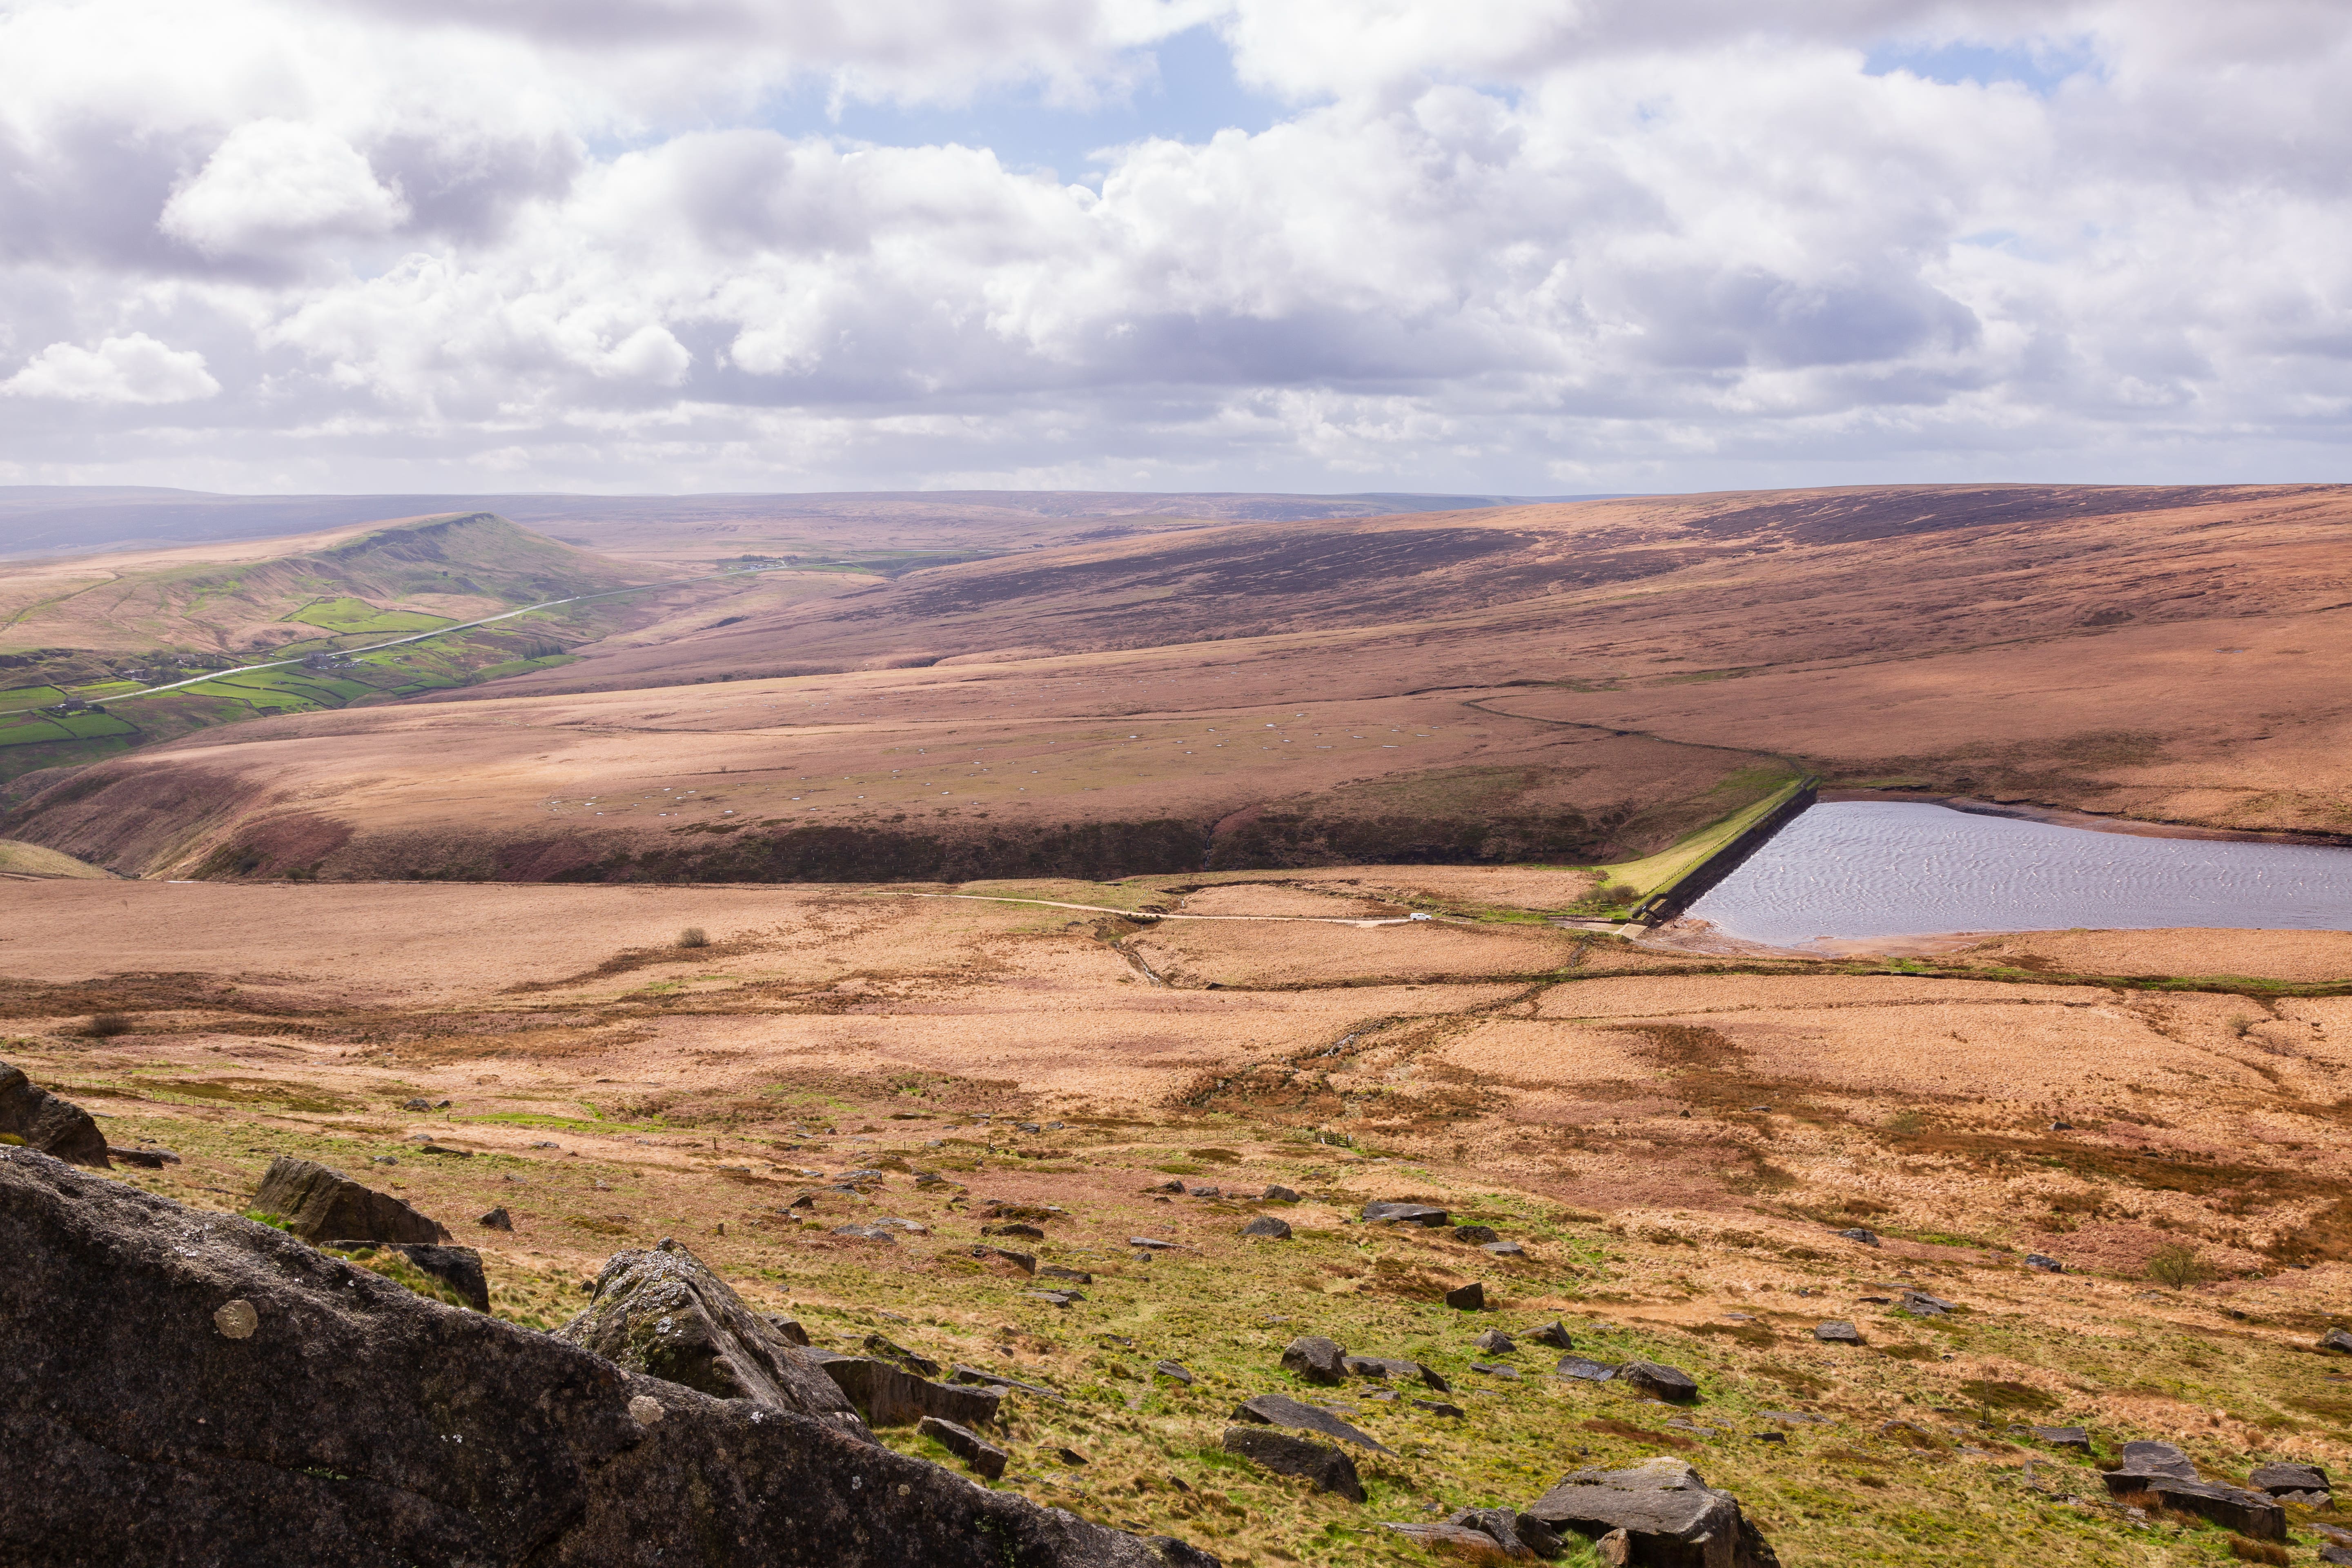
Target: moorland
x=1107 y=927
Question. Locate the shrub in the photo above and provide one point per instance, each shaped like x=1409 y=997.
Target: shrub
x=693 y=936
x=105 y=1026
x=2176 y=1264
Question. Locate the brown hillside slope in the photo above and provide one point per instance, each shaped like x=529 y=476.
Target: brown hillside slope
x=1569 y=683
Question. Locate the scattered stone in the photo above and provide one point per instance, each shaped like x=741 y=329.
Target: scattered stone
x=145 y=1159
x=1769 y=1436
x=664 y=1313
x=1202 y=1193
x=1797 y=1417
x=1862 y=1234
x=317 y=1202
x=1280 y=1196
x=1494 y=1341
x=1554 y=1333
x=2288 y=1481
x=418 y=1102
x=458 y=1267
x=2336 y=1554
x=443 y=1149
x=497 y=1219
x=861 y=1232
x=2335 y=1340
x=2073 y=1437
x=1470 y=1298
x=1147 y=1245
x=1387 y=1367
x=1510 y=1528
x=1060 y=1298
x=1024 y=1261
x=394 y=1160
x=1919 y=1304
x=1614 y=1549
x=789 y=1327
x=1027 y=1232
x=1577 y=1367
x=997 y=1380
x=1504 y=1249
x=889 y=1396
x=1266 y=1225
x=1477 y=1234
x=1669 y=1514
x=1316 y=1359
x=1439 y=1407
x=806 y=1201
x=920 y=1366
x=1069 y=1456
x=1281 y=1410
x=39 y=1119
x=1173 y=1371
x=1166 y=1187
x=1330 y=1469
x=1055 y=1271
x=1463 y=1541
x=1026 y=1127
x=911 y=1227
x=979 y=1455
x=1426 y=1215
x=1837 y=1331
x=2045 y=1263
x=351 y=1375
x=2233 y=1508
x=2146 y=1459
x=1670 y=1383
x=1508 y=1373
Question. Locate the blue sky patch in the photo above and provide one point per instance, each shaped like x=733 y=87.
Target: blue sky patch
x=2039 y=67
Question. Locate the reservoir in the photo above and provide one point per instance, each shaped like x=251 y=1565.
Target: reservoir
x=1871 y=868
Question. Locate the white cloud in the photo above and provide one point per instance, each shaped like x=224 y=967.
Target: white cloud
x=134 y=369
x=275 y=184
x=1489 y=243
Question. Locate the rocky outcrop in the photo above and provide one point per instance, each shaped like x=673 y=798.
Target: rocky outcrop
x=36 y=1118
x=1281 y=1410
x=321 y=1204
x=233 y=1396
x=663 y=1313
x=1672 y=1517
x=2166 y=1470
x=890 y=1395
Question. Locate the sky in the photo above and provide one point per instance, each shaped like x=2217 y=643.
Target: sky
x=1516 y=247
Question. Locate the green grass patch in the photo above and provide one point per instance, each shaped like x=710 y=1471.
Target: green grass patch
x=357 y=616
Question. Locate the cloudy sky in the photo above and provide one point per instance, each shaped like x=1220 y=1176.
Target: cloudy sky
x=1535 y=247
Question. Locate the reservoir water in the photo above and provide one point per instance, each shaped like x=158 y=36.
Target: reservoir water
x=1865 y=868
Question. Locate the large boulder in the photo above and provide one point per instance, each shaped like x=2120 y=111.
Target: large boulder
x=889 y=1396
x=1330 y=1469
x=318 y=1203
x=192 y=1387
x=2166 y=1470
x=1674 y=1518
x=38 y=1119
x=663 y=1313
x=1281 y=1410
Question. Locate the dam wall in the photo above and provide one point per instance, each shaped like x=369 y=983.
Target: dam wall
x=1670 y=898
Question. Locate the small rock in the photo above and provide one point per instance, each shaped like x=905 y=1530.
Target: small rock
x=2335 y=1340
x=1174 y=1372
x=1426 y=1215
x=318 y=1203
x=1202 y=1193
x=2073 y=1437
x=1149 y=1244
x=1494 y=1341
x=497 y=1219
x=1837 y=1333
x=1476 y=1234
x=2150 y=1458
x=1504 y=1249
x=1862 y=1234
x=1316 y=1359
x=1670 y=1383
x=1462 y=1540
x=1267 y=1225
x=1657 y=1511
x=1166 y=1187
x=2062 y=1126
x=645 y=1410
x=1069 y=1456
x=1055 y=1271
x=237 y=1320
x=1615 y=1549
x=920 y=1366
x=1471 y=1297
x=1919 y=1304
x=440 y=1105
x=1025 y=1262
x=1508 y=1373
x=1281 y=1410
x=1584 y=1369
x=867 y=1232
x=2336 y=1554
x=383 y=1159
x=789 y=1328
x=1329 y=1469
x=1061 y=1298
x=2280 y=1479
x=1510 y=1529
x=1026 y=1127
x=1439 y=1407
x=418 y=1104
x=145 y=1159
x=1554 y=1333
x=979 y=1455
x=1768 y=1436
x=1280 y=1196
x=2047 y=1265
x=1026 y=1232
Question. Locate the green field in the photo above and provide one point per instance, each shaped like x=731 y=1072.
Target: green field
x=30 y=697
x=359 y=616
x=32 y=728
x=1656 y=873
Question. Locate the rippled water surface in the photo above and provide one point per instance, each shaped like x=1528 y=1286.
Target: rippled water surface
x=1855 y=869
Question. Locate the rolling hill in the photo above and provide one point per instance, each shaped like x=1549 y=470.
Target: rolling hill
x=1571 y=683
